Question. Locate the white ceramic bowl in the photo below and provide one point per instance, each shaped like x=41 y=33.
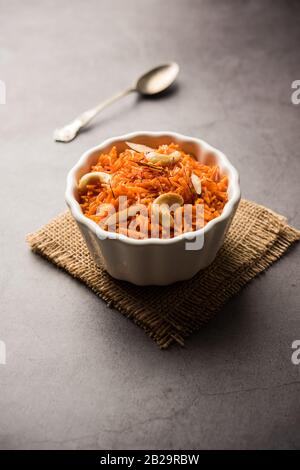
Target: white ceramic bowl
x=154 y=261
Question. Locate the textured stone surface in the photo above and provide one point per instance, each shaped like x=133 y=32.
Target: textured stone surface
x=78 y=375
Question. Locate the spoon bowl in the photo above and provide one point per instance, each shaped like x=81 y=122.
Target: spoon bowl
x=158 y=79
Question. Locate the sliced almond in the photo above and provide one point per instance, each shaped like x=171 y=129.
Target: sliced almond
x=140 y=148
x=216 y=174
x=196 y=183
x=163 y=159
x=92 y=178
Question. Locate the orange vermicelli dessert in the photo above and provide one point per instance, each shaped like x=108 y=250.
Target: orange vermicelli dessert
x=141 y=177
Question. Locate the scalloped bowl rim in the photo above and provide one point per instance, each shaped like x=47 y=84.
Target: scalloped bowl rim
x=103 y=234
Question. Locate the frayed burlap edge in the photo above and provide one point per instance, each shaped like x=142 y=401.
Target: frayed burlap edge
x=264 y=240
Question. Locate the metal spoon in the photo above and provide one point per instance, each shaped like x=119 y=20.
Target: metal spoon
x=151 y=83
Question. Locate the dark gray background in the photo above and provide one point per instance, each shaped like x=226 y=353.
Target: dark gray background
x=79 y=375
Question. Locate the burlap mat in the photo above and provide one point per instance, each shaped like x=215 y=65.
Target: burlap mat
x=256 y=239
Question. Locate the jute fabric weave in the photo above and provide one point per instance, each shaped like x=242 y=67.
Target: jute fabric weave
x=257 y=238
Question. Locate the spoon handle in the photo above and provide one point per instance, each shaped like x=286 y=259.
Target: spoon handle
x=69 y=132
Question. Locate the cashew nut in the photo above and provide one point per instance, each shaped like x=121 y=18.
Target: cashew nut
x=163 y=159
x=167 y=201
x=92 y=178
